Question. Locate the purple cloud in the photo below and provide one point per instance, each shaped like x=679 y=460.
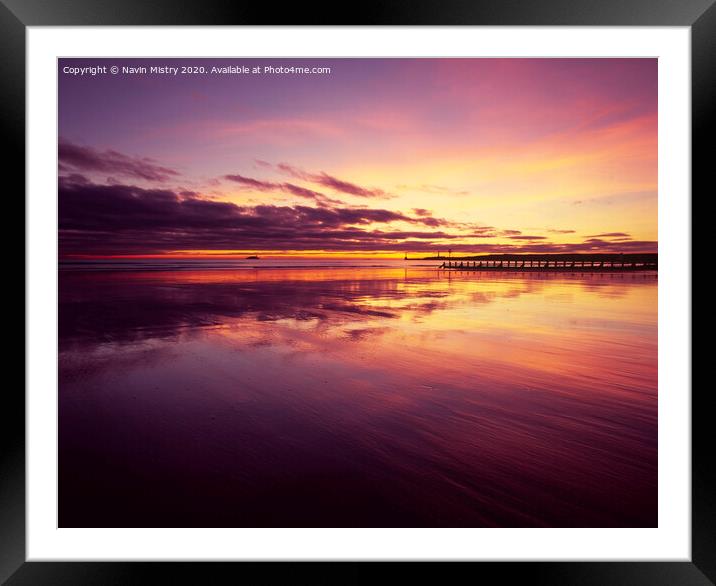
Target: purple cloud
x=79 y=158
x=115 y=219
x=329 y=181
x=610 y=235
x=291 y=188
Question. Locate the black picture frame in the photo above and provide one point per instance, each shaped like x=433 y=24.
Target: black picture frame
x=16 y=15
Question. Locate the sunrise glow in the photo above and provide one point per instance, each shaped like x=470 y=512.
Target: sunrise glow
x=379 y=158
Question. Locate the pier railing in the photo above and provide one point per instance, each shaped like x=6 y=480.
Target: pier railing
x=613 y=264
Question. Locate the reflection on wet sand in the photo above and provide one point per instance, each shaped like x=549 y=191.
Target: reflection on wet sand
x=344 y=397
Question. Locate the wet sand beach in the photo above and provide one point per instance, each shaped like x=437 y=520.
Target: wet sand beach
x=356 y=397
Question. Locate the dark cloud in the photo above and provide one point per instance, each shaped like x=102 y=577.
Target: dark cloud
x=302 y=191
x=526 y=237
x=79 y=158
x=253 y=183
x=115 y=219
x=610 y=235
x=610 y=241
x=329 y=181
x=346 y=187
x=266 y=186
x=555 y=231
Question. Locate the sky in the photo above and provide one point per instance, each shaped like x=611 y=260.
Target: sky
x=368 y=157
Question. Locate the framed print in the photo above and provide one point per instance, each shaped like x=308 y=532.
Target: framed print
x=349 y=292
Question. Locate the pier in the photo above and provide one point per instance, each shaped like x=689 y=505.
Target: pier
x=554 y=262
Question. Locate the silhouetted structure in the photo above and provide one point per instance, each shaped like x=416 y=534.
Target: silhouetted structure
x=554 y=262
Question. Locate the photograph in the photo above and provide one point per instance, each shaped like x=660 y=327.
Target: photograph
x=357 y=292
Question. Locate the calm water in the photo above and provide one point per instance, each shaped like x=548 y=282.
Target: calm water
x=356 y=396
